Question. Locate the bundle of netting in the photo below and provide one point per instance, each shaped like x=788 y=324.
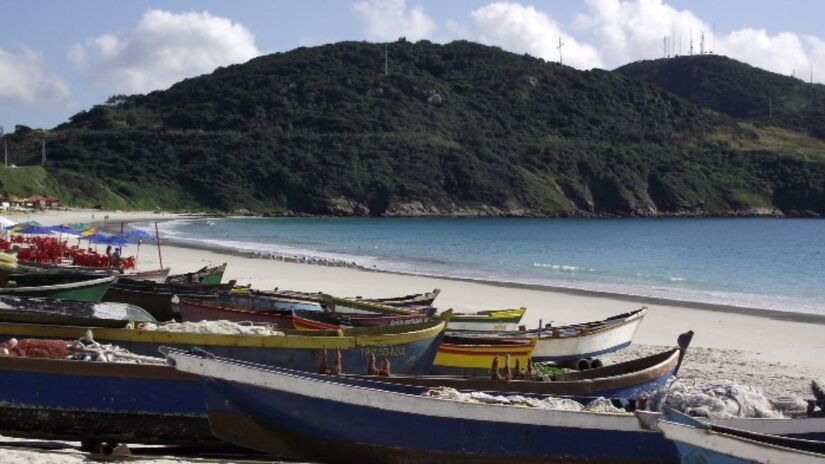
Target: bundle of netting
x=722 y=399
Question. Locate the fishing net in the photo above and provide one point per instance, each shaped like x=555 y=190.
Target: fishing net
x=723 y=399
x=564 y=404
x=212 y=327
x=82 y=349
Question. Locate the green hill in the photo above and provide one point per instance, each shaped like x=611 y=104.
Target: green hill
x=453 y=129
x=739 y=90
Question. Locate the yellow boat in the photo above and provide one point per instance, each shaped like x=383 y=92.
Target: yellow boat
x=475 y=358
x=497 y=320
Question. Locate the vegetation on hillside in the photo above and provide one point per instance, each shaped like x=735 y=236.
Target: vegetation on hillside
x=454 y=129
x=739 y=90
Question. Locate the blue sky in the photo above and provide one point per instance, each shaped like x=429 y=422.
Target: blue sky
x=58 y=57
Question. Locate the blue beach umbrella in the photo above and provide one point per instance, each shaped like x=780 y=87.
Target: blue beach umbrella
x=35 y=230
x=136 y=236
x=64 y=229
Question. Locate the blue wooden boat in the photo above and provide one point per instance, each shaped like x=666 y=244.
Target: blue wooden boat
x=410 y=349
x=58 y=399
x=308 y=416
x=704 y=443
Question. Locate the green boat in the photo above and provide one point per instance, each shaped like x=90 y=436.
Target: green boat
x=64 y=312
x=209 y=275
x=84 y=290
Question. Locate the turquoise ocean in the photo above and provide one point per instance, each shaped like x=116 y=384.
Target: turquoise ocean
x=759 y=263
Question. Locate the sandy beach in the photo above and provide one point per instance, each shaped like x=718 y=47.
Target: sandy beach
x=778 y=354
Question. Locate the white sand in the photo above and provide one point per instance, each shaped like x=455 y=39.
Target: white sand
x=775 y=354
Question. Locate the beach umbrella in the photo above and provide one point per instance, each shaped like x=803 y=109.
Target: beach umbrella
x=136 y=236
x=88 y=232
x=78 y=226
x=34 y=230
x=64 y=229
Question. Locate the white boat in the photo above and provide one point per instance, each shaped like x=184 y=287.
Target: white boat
x=699 y=442
x=571 y=343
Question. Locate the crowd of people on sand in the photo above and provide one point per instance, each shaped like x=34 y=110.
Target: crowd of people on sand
x=310 y=260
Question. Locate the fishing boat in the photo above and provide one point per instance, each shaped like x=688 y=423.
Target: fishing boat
x=45 y=311
x=59 y=399
x=156 y=298
x=208 y=275
x=355 y=306
x=155 y=275
x=203 y=310
x=474 y=357
x=83 y=290
x=415 y=301
x=700 y=442
x=629 y=379
x=307 y=416
x=571 y=344
x=244 y=298
x=493 y=320
x=409 y=349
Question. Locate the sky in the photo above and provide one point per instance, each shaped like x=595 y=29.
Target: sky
x=60 y=57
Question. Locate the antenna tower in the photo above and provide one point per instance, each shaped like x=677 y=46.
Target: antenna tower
x=561 y=44
x=702 y=44
x=691 y=41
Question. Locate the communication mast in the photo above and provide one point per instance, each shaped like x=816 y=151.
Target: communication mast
x=691 y=41
x=559 y=47
x=702 y=43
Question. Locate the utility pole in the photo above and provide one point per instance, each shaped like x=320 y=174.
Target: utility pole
x=559 y=47
x=43 y=151
x=691 y=42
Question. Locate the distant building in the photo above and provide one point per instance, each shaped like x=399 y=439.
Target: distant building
x=43 y=201
x=8 y=200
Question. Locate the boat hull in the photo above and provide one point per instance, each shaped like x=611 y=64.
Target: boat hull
x=476 y=360
x=79 y=400
x=410 y=352
x=497 y=320
x=698 y=445
x=306 y=418
x=587 y=345
x=87 y=290
x=628 y=380
x=157 y=275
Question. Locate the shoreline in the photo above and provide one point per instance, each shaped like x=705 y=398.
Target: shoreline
x=774 y=314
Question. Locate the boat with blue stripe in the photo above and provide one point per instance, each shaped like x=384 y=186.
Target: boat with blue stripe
x=308 y=416
x=59 y=399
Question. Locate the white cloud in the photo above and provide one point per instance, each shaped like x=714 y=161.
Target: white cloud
x=25 y=79
x=524 y=29
x=162 y=49
x=782 y=53
x=630 y=30
x=391 y=19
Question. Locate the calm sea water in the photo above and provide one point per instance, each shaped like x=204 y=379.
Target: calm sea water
x=762 y=263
